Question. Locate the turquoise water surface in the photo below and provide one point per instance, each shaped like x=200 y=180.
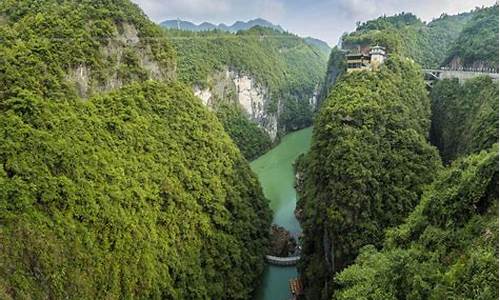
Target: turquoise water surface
x=276 y=176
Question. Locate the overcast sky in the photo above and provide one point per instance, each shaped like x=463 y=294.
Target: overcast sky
x=324 y=19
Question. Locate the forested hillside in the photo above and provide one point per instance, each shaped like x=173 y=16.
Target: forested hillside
x=69 y=48
x=432 y=239
x=477 y=45
x=367 y=168
x=321 y=45
x=113 y=185
x=281 y=71
x=446 y=247
x=427 y=44
x=464 y=117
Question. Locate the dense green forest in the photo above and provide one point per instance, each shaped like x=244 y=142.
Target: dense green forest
x=448 y=246
x=427 y=44
x=282 y=62
x=133 y=190
x=434 y=235
x=446 y=249
x=464 y=117
x=250 y=138
x=367 y=167
x=42 y=41
x=288 y=68
x=477 y=45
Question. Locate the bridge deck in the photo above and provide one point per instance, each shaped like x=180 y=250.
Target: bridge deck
x=282 y=261
x=461 y=75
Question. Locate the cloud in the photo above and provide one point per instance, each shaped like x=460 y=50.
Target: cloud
x=212 y=10
x=358 y=7
x=425 y=9
x=158 y=9
x=272 y=10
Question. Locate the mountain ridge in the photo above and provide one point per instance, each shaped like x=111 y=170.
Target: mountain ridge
x=238 y=26
x=204 y=26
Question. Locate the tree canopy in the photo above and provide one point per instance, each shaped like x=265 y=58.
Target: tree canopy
x=477 y=43
x=132 y=190
x=427 y=44
x=287 y=68
x=367 y=168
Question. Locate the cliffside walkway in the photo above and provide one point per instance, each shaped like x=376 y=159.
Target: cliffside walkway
x=282 y=261
x=462 y=74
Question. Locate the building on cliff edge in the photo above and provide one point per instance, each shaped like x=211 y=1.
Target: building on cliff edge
x=358 y=61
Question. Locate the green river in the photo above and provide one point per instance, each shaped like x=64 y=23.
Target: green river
x=276 y=176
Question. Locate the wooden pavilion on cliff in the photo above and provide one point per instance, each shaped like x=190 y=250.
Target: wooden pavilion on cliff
x=359 y=60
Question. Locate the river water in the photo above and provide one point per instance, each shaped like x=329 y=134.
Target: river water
x=275 y=172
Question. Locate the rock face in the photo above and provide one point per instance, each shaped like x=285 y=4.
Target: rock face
x=456 y=63
x=283 y=244
x=204 y=94
x=230 y=85
x=253 y=97
x=126 y=58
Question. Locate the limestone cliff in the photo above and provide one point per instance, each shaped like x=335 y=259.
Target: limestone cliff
x=124 y=57
x=245 y=90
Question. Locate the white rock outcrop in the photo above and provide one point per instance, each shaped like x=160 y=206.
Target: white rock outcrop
x=250 y=95
x=204 y=94
x=126 y=38
x=244 y=90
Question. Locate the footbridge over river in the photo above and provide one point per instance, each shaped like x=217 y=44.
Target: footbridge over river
x=283 y=261
x=462 y=74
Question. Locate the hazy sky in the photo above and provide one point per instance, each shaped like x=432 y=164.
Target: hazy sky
x=324 y=19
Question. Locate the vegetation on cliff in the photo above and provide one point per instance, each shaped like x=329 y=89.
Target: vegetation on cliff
x=446 y=249
x=286 y=67
x=427 y=44
x=44 y=43
x=336 y=67
x=252 y=140
x=464 y=117
x=477 y=45
x=367 y=168
x=405 y=34
x=448 y=246
x=136 y=192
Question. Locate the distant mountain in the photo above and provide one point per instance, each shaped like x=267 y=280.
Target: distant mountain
x=240 y=25
x=321 y=45
x=237 y=26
